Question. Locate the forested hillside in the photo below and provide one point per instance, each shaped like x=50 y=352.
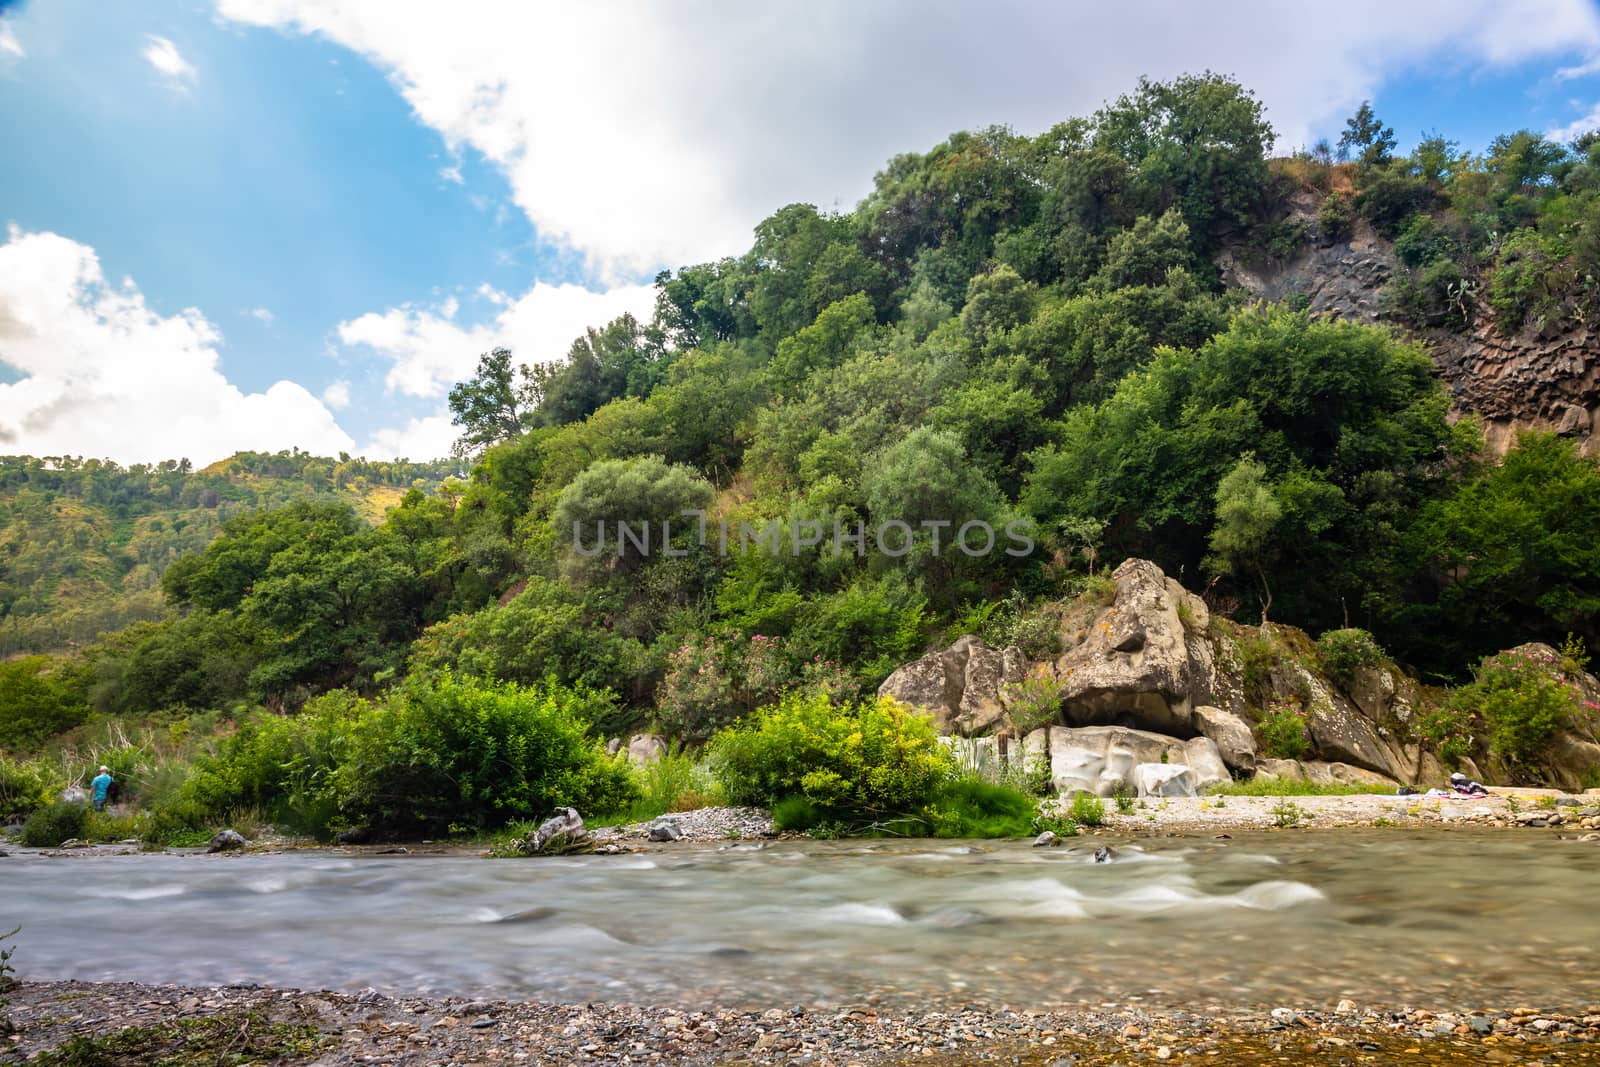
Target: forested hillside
x=1008 y=329
x=84 y=543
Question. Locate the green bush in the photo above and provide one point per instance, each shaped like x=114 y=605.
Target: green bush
x=25 y=787
x=972 y=807
x=1528 y=281
x=1343 y=652
x=1523 y=701
x=445 y=755
x=33 y=703
x=855 y=763
x=675 y=781
x=61 y=821
x=1282 y=730
x=1336 y=218
x=1087 y=810
x=1034 y=702
x=1448 y=730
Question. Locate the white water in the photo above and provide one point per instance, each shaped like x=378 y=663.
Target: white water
x=1262 y=919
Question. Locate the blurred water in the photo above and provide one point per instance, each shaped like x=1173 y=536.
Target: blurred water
x=1447 y=918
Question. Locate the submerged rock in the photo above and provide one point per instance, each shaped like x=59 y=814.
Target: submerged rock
x=1046 y=839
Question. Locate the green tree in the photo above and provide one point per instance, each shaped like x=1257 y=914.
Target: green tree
x=495 y=404
x=1247 y=515
x=1367 y=138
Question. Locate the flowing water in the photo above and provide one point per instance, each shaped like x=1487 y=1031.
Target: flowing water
x=1386 y=916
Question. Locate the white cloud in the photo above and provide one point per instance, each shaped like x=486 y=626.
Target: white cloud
x=337 y=396
x=9 y=45
x=431 y=351
x=163 y=55
x=1582 y=70
x=105 y=376
x=1573 y=130
x=452 y=174
x=431 y=437
x=261 y=315
x=647 y=134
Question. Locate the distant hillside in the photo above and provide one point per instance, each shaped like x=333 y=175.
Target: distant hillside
x=83 y=543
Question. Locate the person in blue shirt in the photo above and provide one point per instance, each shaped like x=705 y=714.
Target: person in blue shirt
x=102 y=788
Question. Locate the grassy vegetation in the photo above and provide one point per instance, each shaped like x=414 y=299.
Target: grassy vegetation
x=1287 y=787
x=228 y=1040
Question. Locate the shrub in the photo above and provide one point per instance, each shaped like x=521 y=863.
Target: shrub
x=34 y=705
x=61 y=821
x=1448 y=730
x=1035 y=701
x=863 y=762
x=675 y=781
x=1343 y=652
x=1087 y=810
x=1258 y=654
x=1336 y=218
x=25 y=787
x=1523 y=701
x=1527 y=281
x=972 y=807
x=712 y=682
x=1286 y=813
x=445 y=755
x=1282 y=730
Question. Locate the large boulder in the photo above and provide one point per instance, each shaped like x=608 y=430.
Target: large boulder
x=1164 y=780
x=1230 y=733
x=1146 y=662
x=1102 y=759
x=646 y=748
x=963 y=687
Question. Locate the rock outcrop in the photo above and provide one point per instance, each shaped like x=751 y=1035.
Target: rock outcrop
x=963 y=687
x=1150 y=680
x=1533 y=380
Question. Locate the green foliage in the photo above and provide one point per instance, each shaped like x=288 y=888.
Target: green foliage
x=1574 y=654
x=228 y=1039
x=50 y=826
x=1282 y=730
x=34 y=704
x=1528 y=282
x=1125 y=802
x=446 y=755
x=25 y=787
x=495 y=405
x=1366 y=138
x=865 y=762
x=1034 y=702
x=1523 y=701
x=1087 y=810
x=1336 y=218
x=1286 y=787
x=1286 y=813
x=674 y=781
x=1343 y=652
x=712 y=682
x=968 y=806
x=1247 y=512
x=1448 y=729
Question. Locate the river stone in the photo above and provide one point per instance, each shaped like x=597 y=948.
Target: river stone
x=562 y=832
x=665 y=830
x=1231 y=734
x=646 y=748
x=1164 y=780
x=1046 y=839
x=74 y=795
x=962 y=687
x=226 y=841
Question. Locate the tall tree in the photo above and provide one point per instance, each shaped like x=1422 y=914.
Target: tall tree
x=1366 y=137
x=495 y=404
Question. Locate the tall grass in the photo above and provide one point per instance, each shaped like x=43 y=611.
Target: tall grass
x=1291 y=787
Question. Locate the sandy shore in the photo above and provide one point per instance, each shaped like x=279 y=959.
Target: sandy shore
x=134 y=1024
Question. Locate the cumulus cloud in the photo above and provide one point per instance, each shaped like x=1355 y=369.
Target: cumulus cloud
x=337 y=396
x=648 y=134
x=1577 y=128
x=430 y=350
x=163 y=55
x=9 y=45
x=261 y=315
x=430 y=437
x=104 y=375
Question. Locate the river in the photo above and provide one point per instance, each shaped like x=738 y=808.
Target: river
x=1259 y=919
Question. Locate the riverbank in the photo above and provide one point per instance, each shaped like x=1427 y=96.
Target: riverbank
x=135 y=1023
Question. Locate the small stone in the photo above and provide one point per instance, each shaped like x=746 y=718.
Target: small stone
x=1045 y=840
x=1346 y=1006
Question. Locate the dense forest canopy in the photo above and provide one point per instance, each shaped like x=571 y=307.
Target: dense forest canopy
x=1008 y=328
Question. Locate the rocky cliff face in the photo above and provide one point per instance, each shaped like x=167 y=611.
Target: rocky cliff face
x=1154 y=681
x=1529 y=381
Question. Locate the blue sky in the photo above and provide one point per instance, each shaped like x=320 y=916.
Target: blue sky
x=326 y=211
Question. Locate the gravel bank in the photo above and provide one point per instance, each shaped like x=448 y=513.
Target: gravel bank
x=1575 y=814
x=341 y=1028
